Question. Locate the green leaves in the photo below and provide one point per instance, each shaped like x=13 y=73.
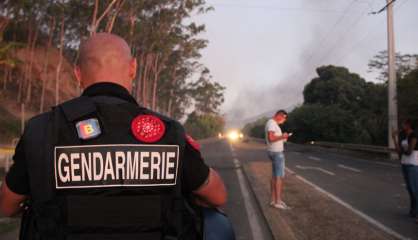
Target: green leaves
x=204 y=126
x=207 y=95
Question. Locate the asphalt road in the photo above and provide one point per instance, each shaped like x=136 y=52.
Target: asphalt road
x=374 y=188
x=241 y=208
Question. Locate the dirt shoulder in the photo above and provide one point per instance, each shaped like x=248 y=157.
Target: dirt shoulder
x=313 y=216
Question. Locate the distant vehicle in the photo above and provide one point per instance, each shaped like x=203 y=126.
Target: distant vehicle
x=232 y=135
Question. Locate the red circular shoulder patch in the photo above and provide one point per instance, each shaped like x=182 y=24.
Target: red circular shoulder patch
x=147 y=128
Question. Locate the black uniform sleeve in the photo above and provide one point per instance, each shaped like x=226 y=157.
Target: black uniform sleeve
x=17 y=178
x=195 y=170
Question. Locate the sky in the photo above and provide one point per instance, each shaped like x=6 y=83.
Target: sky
x=265 y=51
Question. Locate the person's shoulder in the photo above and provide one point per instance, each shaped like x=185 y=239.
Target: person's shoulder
x=39 y=120
x=162 y=117
x=35 y=127
x=271 y=123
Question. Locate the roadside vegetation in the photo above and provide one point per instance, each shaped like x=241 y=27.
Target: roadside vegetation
x=341 y=106
x=39 y=42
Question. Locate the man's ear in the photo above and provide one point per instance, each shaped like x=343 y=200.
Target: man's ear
x=132 y=68
x=77 y=73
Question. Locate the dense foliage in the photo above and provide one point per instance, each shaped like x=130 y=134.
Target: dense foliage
x=201 y=126
x=255 y=129
x=340 y=106
x=408 y=97
x=163 y=37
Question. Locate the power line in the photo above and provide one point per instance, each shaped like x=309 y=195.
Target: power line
x=327 y=35
x=384 y=8
x=342 y=38
x=276 y=8
x=366 y=35
x=323 y=39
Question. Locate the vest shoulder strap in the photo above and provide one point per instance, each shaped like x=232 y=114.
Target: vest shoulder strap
x=77 y=108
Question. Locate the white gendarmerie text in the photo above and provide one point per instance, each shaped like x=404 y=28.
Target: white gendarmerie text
x=115 y=165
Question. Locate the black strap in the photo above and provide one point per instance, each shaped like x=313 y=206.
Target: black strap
x=77 y=108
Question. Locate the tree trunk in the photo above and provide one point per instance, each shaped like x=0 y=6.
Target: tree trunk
x=58 y=72
x=131 y=26
x=32 y=52
x=46 y=62
x=170 y=98
x=138 y=82
x=94 y=18
x=4 y=21
x=155 y=84
x=22 y=81
x=112 y=19
x=148 y=60
x=5 y=77
x=96 y=21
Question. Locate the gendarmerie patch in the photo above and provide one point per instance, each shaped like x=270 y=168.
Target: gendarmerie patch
x=88 y=129
x=127 y=165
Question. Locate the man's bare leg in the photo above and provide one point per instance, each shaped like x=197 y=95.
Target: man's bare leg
x=278 y=189
x=273 y=190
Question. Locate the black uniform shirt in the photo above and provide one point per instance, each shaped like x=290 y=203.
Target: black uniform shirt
x=195 y=171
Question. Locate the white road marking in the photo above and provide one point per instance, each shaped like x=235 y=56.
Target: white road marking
x=236 y=163
x=379 y=163
x=374 y=162
x=315 y=168
x=353 y=209
x=314 y=158
x=249 y=207
x=349 y=168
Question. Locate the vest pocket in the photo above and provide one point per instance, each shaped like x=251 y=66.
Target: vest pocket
x=113 y=214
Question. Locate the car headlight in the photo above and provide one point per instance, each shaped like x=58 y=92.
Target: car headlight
x=233 y=135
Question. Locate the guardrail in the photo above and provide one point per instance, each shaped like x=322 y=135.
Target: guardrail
x=355 y=147
x=347 y=146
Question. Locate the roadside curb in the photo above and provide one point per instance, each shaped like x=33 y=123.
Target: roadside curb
x=278 y=227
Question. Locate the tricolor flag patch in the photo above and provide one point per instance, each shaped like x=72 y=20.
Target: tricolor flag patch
x=88 y=129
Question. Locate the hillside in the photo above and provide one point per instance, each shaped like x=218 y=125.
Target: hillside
x=24 y=84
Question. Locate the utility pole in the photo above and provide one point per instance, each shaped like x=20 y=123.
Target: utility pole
x=392 y=98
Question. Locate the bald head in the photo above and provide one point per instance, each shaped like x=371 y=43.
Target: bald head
x=105 y=57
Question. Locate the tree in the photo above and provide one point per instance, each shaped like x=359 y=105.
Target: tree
x=336 y=89
x=208 y=95
x=405 y=63
x=256 y=129
x=336 y=85
x=204 y=126
x=163 y=38
x=314 y=122
x=408 y=96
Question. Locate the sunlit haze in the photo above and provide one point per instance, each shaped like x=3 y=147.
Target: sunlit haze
x=264 y=51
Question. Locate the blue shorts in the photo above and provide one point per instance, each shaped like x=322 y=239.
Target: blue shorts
x=278 y=160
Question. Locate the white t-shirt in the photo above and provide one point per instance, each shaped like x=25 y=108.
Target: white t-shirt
x=409 y=159
x=272 y=126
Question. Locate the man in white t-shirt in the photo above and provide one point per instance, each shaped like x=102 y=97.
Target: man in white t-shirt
x=275 y=140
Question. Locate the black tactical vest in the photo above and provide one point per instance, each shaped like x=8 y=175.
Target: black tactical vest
x=89 y=189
